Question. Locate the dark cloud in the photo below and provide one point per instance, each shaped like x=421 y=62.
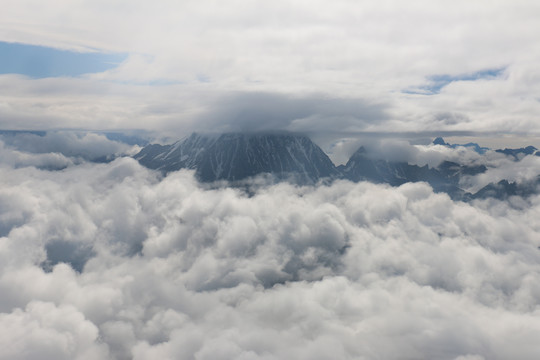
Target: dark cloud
x=249 y=111
x=451 y=118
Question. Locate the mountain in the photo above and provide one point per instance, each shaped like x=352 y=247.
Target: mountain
x=517 y=153
x=453 y=171
x=446 y=176
x=504 y=189
x=440 y=141
x=361 y=167
x=237 y=156
x=183 y=154
x=474 y=146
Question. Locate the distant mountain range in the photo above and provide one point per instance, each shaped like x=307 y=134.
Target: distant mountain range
x=515 y=153
x=237 y=156
x=474 y=146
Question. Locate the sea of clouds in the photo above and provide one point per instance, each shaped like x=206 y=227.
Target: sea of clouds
x=115 y=261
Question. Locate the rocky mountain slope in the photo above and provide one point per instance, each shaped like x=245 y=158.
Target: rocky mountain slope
x=238 y=156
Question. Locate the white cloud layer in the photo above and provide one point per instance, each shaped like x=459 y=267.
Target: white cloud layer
x=185 y=55
x=58 y=149
x=169 y=269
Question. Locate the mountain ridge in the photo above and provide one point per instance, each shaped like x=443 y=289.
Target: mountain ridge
x=234 y=157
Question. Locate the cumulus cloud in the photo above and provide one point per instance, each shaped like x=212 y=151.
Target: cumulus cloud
x=524 y=169
x=401 y=150
x=45 y=331
x=16 y=158
x=502 y=167
x=167 y=268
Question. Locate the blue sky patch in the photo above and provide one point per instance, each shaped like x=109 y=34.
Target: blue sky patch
x=437 y=82
x=41 y=62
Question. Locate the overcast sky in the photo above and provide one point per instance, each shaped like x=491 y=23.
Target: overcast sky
x=353 y=66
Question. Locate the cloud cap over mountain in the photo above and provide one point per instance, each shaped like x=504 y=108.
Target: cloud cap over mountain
x=387 y=66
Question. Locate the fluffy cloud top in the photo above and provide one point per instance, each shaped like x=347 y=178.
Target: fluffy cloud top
x=170 y=269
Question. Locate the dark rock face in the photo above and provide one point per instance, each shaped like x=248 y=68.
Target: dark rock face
x=444 y=178
x=184 y=154
x=439 y=141
x=517 y=153
x=237 y=156
x=474 y=146
x=504 y=189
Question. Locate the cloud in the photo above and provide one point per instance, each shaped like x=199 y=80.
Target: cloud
x=505 y=168
x=63 y=145
x=318 y=113
x=369 y=52
x=114 y=261
x=400 y=150
x=173 y=269
x=17 y=158
x=45 y=331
